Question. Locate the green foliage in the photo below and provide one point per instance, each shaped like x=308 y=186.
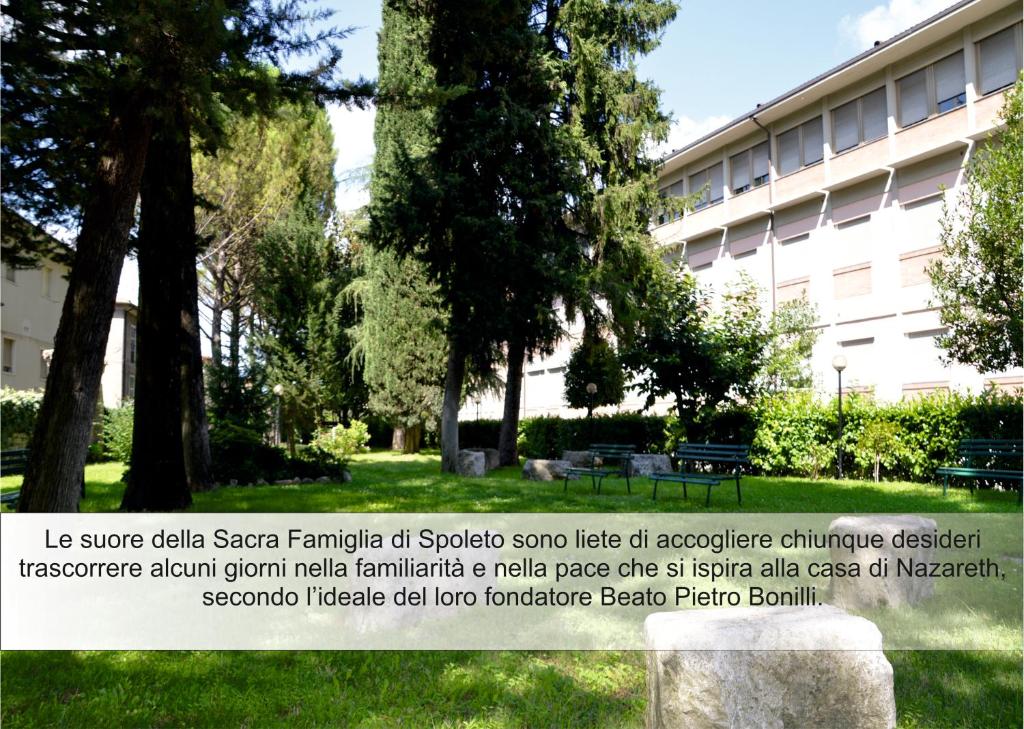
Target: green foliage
x=878 y=445
x=979 y=281
x=696 y=354
x=547 y=437
x=18 y=411
x=479 y=433
x=342 y=443
x=240 y=453
x=117 y=432
x=791 y=335
x=596 y=361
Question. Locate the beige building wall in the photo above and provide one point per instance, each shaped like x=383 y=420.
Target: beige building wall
x=118 y=383
x=853 y=230
x=32 y=301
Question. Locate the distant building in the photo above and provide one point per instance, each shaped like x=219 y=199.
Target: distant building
x=32 y=300
x=834 y=190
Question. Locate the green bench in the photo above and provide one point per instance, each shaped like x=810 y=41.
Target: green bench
x=606 y=459
x=986 y=460
x=734 y=457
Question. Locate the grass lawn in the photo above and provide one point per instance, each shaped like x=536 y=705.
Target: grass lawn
x=464 y=689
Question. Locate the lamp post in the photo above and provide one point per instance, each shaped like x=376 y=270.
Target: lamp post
x=591 y=391
x=477 y=401
x=839 y=364
x=278 y=391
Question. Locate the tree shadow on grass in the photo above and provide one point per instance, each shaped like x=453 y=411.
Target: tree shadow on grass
x=359 y=689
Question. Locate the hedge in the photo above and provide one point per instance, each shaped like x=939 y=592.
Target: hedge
x=790 y=435
x=18 y=410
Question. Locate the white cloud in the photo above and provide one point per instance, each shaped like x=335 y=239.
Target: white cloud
x=884 y=21
x=685 y=130
x=353 y=142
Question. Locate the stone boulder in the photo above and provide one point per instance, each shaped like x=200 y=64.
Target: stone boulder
x=539 y=469
x=866 y=591
x=490 y=457
x=472 y=463
x=579 y=459
x=814 y=666
x=644 y=464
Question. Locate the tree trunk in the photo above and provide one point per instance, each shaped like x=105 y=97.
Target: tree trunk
x=234 y=339
x=509 y=434
x=217 y=311
x=398 y=439
x=878 y=468
x=413 y=438
x=195 y=430
x=453 y=379
x=60 y=441
x=156 y=480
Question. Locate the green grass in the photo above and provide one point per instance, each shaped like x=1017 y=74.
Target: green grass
x=935 y=689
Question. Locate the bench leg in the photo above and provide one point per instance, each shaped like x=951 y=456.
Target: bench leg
x=628 y=489
x=565 y=487
x=684 y=492
x=707 y=501
x=945 y=485
x=739 y=496
x=654 y=495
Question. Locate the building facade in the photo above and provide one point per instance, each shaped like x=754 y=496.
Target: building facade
x=834 y=191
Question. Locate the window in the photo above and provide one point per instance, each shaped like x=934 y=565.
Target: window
x=130 y=391
x=132 y=342
x=8 y=357
x=709 y=184
x=749 y=169
x=9 y=273
x=800 y=146
x=47 y=271
x=999 y=59
x=861 y=120
x=932 y=90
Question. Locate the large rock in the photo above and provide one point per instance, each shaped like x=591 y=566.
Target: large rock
x=866 y=591
x=644 y=464
x=472 y=463
x=539 y=469
x=579 y=459
x=813 y=666
x=490 y=457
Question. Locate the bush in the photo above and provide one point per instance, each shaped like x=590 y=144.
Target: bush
x=341 y=443
x=240 y=453
x=547 y=437
x=479 y=433
x=18 y=411
x=117 y=433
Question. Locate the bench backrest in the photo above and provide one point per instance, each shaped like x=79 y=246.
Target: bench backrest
x=13 y=461
x=713 y=452
x=611 y=452
x=990 y=450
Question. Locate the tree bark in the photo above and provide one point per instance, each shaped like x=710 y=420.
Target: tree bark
x=398 y=439
x=235 y=336
x=453 y=380
x=60 y=442
x=508 y=455
x=413 y=438
x=156 y=479
x=217 y=311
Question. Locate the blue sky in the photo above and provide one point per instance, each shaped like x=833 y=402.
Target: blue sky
x=718 y=59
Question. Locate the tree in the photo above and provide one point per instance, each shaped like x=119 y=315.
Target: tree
x=979 y=282
x=400 y=341
x=86 y=84
x=594 y=361
x=791 y=335
x=686 y=349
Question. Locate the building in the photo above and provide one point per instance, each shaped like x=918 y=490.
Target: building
x=32 y=300
x=834 y=190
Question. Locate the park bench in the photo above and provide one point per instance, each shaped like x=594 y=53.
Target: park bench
x=732 y=456
x=12 y=463
x=986 y=460
x=606 y=459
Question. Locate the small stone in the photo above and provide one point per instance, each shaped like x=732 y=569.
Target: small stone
x=472 y=463
x=261 y=482
x=286 y=482
x=307 y=480
x=578 y=459
x=234 y=482
x=346 y=477
x=490 y=457
x=539 y=469
x=324 y=479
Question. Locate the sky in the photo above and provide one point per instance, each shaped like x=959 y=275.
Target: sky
x=718 y=59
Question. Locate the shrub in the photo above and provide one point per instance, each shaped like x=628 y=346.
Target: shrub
x=18 y=411
x=547 y=437
x=879 y=443
x=479 y=433
x=341 y=443
x=240 y=453
x=117 y=432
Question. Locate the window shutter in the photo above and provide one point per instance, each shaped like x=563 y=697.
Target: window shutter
x=696 y=184
x=913 y=98
x=717 y=181
x=739 y=169
x=950 y=82
x=812 y=141
x=844 y=121
x=998 y=55
x=760 y=163
x=874 y=113
x=789 y=151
